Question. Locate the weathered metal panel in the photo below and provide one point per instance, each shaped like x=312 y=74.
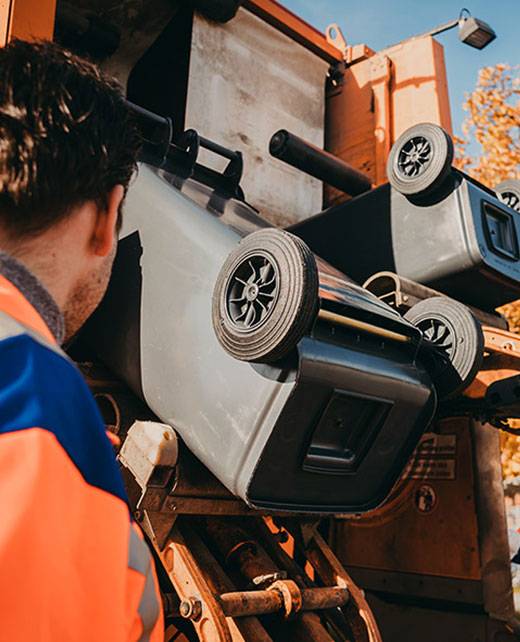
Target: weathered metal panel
x=247 y=80
x=408 y=535
x=492 y=525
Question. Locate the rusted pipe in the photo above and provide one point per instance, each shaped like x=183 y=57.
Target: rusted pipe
x=330 y=597
x=246 y=554
x=241 y=603
x=240 y=550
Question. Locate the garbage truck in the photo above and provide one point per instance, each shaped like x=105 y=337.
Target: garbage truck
x=299 y=349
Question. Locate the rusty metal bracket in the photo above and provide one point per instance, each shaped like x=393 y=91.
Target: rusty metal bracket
x=501 y=361
x=291 y=596
x=500 y=341
x=218 y=614
x=329 y=568
x=494 y=395
x=197 y=600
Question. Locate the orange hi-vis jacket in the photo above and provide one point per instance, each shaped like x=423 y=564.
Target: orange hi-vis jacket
x=73 y=565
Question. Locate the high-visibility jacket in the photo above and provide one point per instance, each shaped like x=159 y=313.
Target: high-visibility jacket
x=73 y=566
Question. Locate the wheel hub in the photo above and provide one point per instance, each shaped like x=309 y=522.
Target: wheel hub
x=252 y=292
x=439 y=333
x=414 y=156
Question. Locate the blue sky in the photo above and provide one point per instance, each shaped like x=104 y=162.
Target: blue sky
x=379 y=23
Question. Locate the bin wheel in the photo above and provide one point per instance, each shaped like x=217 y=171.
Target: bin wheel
x=452 y=328
x=509 y=193
x=266 y=296
x=420 y=160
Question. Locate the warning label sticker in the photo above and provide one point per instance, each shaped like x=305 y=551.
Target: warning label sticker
x=434 y=458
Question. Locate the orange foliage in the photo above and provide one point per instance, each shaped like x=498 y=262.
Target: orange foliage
x=493 y=123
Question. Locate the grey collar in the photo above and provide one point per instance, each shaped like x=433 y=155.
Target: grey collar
x=34 y=291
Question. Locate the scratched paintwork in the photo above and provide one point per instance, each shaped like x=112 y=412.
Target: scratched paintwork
x=247 y=80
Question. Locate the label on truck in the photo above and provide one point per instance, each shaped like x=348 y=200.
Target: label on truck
x=434 y=458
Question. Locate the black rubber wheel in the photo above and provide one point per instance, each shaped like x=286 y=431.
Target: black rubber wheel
x=266 y=296
x=420 y=160
x=509 y=193
x=452 y=328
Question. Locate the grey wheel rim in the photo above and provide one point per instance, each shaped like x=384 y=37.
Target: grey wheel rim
x=439 y=333
x=511 y=199
x=252 y=292
x=414 y=157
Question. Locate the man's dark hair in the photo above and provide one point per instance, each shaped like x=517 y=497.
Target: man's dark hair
x=66 y=136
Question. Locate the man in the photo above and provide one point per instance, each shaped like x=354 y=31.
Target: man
x=73 y=566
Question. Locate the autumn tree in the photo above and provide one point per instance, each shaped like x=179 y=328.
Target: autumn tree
x=490 y=152
x=492 y=127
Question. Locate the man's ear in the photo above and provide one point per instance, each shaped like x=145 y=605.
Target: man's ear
x=105 y=229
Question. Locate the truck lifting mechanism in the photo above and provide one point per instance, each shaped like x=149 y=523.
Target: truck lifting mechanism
x=308 y=400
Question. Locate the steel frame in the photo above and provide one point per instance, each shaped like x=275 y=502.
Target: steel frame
x=221 y=613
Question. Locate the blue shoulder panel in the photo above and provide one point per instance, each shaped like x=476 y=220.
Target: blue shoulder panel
x=41 y=389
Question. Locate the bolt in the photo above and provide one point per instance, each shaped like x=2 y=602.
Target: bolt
x=191 y=608
x=282 y=536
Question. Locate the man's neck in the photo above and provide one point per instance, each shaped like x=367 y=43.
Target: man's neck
x=49 y=256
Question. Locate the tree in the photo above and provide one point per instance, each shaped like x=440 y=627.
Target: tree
x=493 y=123
x=492 y=128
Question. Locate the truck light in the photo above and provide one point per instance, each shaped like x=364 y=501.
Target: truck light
x=472 y=31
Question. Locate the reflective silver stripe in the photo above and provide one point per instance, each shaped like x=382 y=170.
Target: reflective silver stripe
x=148 y=607
x=140 y=560
x=10 y=327
x=138 y=554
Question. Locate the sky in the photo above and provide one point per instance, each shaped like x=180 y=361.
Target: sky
x=379 y=23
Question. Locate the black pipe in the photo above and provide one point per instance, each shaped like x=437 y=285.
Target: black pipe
x=318 y=163
x=156 y=134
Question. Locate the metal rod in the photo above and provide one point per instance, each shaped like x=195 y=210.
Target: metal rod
x=433 y=32
x=242 y=603
x=339 y=319
x=439 y=29
x=216 y=148
x=330 y=597
x=318 y=163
